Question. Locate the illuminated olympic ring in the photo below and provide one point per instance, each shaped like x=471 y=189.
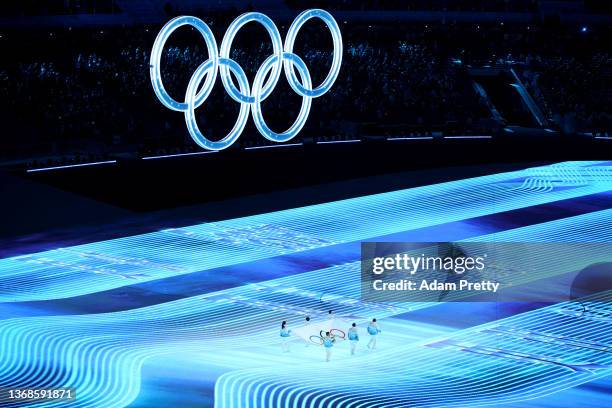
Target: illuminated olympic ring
x=219 y=61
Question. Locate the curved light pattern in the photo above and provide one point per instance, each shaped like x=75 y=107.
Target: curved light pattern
x=102 y=355
x=514 y=359
x=115 y=263
x=82 y=350
x=249 y=98
x=591 y=227
x=539 y=178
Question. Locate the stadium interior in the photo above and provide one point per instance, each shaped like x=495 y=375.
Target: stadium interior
x=139 y=269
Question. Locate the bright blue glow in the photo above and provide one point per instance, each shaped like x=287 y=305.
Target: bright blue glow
x=225 y=51
x=105 y=265
x=219 y=62
x=297 y=24
x=299 y=123
x=231 y=335
x=338 y=141
x=468 y=137
x=511 y=360
x=155 y=62
x=584 y=29
x=68 y=166
x=591 y=227
x=201 y=72
x=411 y=138
x=234 y=330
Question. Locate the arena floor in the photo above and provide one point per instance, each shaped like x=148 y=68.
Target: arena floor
x=190 y=315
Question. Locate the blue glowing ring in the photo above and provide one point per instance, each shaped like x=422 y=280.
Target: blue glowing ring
x=337 y=57
x=226 y=45
x=155 y=61
x=191 y=100
x=257 y=93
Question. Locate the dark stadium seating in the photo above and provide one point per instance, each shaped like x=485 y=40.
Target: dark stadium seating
x=397 y=78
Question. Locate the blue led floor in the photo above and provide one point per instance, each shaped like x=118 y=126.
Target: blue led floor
x=231 y=334
x=515 y=359
x=100 y=266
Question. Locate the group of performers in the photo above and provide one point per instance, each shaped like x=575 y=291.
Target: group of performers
x=328 y=337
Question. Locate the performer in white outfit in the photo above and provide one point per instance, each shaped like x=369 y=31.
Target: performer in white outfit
x=373 y=331
x=285 y=333
x=353 y=337
x=328 y=344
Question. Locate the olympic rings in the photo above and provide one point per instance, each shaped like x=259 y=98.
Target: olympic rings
x=334 y=333
x=250 y=98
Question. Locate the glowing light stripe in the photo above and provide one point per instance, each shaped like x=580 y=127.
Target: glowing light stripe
x=468 y=137
x=68 y=166
x=411 y=138
x=63 y=349
x=338 y=141
x=110 y=264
